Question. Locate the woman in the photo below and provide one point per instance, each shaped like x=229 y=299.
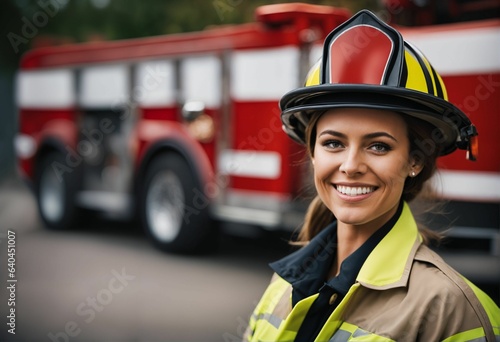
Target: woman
x=374 y=118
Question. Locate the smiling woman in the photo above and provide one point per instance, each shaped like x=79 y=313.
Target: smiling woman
x=364 y=269
x=361 y=162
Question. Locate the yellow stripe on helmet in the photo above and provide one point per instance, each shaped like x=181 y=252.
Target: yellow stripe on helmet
x=312 y=77
x=419 y=71
x=416 y=78
x=443 y=87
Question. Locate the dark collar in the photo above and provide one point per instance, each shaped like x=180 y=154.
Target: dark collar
x=307 y=269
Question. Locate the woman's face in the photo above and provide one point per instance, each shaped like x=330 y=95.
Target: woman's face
x=361 y=161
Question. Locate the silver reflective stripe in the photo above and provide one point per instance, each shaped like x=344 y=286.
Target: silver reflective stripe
x=481 y=339
x=360 y=332
x=340 y=336
x=275 y=321
x=343 y=335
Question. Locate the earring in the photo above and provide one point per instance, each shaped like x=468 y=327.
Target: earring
x=413 y=174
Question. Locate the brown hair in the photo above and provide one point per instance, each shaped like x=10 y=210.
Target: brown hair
x=423 y=149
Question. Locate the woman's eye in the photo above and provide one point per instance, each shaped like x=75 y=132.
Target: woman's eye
x=332 y=144
x=380 y=147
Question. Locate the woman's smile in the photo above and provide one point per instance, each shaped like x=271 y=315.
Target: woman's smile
x=361 y=161
x=354 y=190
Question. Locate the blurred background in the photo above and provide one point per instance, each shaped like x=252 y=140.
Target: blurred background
x=104 y=280
x=97 y=20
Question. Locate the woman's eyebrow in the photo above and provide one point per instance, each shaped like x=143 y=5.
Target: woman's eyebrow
x=366 y=136
x=379 y=134
x=334 y=133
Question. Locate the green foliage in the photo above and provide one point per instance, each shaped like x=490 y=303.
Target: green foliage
x=62 y=21
x=80 y=19
x=10 y=17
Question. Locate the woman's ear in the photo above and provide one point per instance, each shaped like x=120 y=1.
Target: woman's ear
x=416 y=167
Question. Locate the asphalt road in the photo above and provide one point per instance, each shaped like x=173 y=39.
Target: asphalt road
x=106 y=282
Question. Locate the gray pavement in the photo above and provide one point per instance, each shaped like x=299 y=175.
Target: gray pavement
x=106 y=282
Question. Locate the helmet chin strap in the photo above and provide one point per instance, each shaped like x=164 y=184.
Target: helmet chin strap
x=469 y=141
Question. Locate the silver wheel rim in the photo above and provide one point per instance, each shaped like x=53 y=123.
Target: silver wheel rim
x=165 y=206
x=51 y=196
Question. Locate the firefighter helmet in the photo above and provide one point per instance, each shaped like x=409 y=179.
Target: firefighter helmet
x=367 y=64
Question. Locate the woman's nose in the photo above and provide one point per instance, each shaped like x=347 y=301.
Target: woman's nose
x=353 y=163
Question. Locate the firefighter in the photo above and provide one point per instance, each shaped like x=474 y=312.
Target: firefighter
x=374 y=117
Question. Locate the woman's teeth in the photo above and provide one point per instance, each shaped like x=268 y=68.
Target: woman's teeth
x=355 y=191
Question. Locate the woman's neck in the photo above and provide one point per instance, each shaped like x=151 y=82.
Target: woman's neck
x=350 y=237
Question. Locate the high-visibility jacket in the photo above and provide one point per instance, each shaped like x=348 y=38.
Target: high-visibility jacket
x=403 y=292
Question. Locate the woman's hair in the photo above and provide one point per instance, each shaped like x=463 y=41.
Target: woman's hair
x=424 y=150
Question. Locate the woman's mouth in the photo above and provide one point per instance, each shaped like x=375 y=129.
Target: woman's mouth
x=354 y=190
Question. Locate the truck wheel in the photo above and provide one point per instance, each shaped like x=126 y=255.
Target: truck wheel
x=55 y=192
x=170 y=215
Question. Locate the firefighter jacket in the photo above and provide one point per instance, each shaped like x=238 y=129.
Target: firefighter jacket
x=403 y=292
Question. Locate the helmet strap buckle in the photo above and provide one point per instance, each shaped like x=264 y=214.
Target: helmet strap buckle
x=469 y=141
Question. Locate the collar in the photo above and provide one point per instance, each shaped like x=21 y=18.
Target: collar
x=351 y=266
x=387 y=265
x=306 y=269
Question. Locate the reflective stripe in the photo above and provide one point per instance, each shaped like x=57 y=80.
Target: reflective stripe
x=274 y=320
x=277 y=66
x=54 y=89
x=456 y=52
x=341 y=336
x=104 y=86
x=345 y=335
x=481 y=339
x=155 y=84
x=201 y=80
x=248 y=163
x=467 y=185
x=476 y=335
x=360 y=332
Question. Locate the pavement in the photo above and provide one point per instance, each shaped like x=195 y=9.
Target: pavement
x=106 y=282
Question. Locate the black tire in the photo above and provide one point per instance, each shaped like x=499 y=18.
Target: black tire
x=56 y=185
x=174 y=211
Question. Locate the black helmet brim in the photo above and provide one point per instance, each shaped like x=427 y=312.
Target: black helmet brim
x=299 y=105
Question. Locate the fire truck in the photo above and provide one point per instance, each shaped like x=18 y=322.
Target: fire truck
x=461 y=39
x=183 y=131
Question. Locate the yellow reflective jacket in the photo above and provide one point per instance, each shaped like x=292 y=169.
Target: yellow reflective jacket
x=403 y=292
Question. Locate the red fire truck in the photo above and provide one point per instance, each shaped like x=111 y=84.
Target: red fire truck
x=461 y=39
x=184 y=130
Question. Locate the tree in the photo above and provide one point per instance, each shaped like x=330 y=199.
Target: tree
x=82 y=20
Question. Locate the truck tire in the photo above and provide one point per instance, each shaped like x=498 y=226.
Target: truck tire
x=174 y=211
x=55 y=188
